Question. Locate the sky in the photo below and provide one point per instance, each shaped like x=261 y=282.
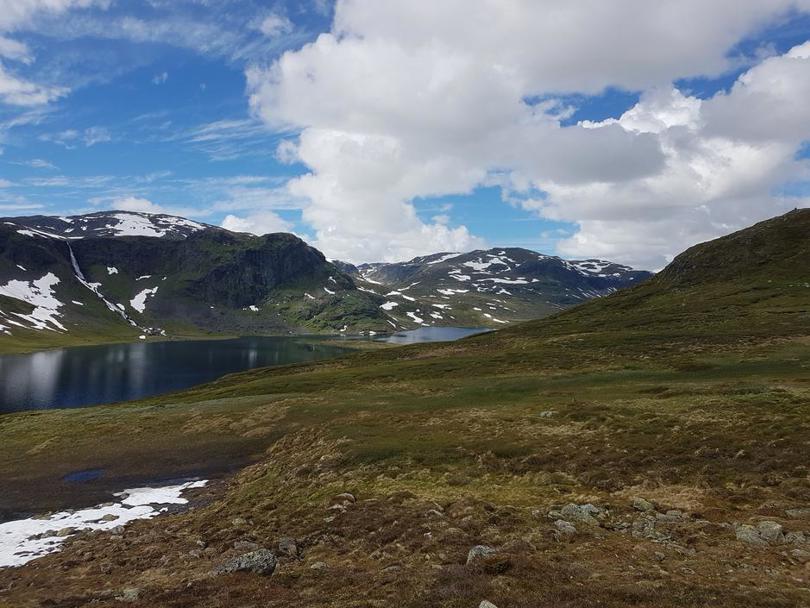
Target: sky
x=379 y=130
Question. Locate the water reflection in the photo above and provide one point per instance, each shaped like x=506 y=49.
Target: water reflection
x=76 y=377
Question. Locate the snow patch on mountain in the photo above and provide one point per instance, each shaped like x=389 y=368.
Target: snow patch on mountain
x=40 y=295
x=139 y=301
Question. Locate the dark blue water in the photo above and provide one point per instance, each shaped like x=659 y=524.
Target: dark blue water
x=92 y=375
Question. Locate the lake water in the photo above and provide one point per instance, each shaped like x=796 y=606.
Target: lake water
x=92 y=375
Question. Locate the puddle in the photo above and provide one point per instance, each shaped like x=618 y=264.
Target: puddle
x=85 y=475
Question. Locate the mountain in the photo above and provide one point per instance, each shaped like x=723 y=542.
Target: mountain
x=488 y=287
x=122 y=273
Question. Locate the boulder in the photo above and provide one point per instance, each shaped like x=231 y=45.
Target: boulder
x=643 y=505
x=771 y=532
x=261 y=562
x=563 y=530
x=486 y=604
x=585 y=514
x=478 y=552
x=750 y=536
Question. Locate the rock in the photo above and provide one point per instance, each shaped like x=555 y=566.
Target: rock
x=486 y=604
x=477 y=552
x=345 y=497
x=749 y=535
x=319 y=566
x=244 y=546
x=287 y=546
x=564 y=530
x=66 y=532
x=641 y=504
x=585 y=514
x=770 y=532
x=547 y=414
x=795 y=538
x=109 y=517
x=800 y=555
x=130 y=594
x=117 y=530
x=238 y=521
x=798 y=513
x=261 y=562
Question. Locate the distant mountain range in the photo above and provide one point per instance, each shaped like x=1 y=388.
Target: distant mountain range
x=127 y=274
x=488 y=288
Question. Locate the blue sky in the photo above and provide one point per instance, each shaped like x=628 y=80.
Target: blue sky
x=149 y=105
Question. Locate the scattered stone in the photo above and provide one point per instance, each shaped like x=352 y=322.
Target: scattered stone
x=586 y=514
x=660 y=556
x=245 y=546
x=564 y=530
x=109 y=517
x=486 y=604
x=770 y=532
x=795 y=538
x=345 y=497
x=547 y=414
x=798 y=513
x=800 y=555
x=287 y=546
x=117 y=530
x=66 y=532
x=319 y=566
x=750 y=536
x=238 y=521
x=479 y=551
x=641 y=504
x=130 y=594
x=261 y=562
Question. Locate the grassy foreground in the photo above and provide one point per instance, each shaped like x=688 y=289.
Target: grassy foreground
x=694 y=397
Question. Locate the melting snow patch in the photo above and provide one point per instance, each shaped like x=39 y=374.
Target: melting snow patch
x=329 y=291
x=40 y=295
x=112 y=270
x=254 y=308
x=389 y=305
x=444 y=258
x=139 y=301
x=24 y=540
x=22 y=268
x=144 y=276
x=415 y=317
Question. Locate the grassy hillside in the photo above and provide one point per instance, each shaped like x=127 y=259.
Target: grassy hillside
x=691 y=392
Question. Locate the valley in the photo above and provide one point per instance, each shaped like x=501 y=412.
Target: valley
x=122 y=276
x=646 y=448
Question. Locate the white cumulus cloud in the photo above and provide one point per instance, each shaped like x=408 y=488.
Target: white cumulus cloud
x=404 y=100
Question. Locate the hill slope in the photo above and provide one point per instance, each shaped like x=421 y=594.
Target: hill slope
x=647 y=449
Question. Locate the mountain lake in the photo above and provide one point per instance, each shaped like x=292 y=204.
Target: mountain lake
x=94 y=375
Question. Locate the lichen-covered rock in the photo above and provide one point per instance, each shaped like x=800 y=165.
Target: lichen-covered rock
x=261 y=562
x=478 y=552
x=643 y=505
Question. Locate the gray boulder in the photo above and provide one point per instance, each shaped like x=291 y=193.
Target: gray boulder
x=585 y=514
x=643 y=505
x=478 y=552
x=261 y=562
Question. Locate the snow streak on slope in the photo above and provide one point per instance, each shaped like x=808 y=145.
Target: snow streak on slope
x=94 y=287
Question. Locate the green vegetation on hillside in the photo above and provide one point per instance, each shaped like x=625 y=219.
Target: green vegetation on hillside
x=691 y=392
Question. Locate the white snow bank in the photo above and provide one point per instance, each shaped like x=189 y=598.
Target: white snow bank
x=139 y=301
x=39 y=294
x=24 y=540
